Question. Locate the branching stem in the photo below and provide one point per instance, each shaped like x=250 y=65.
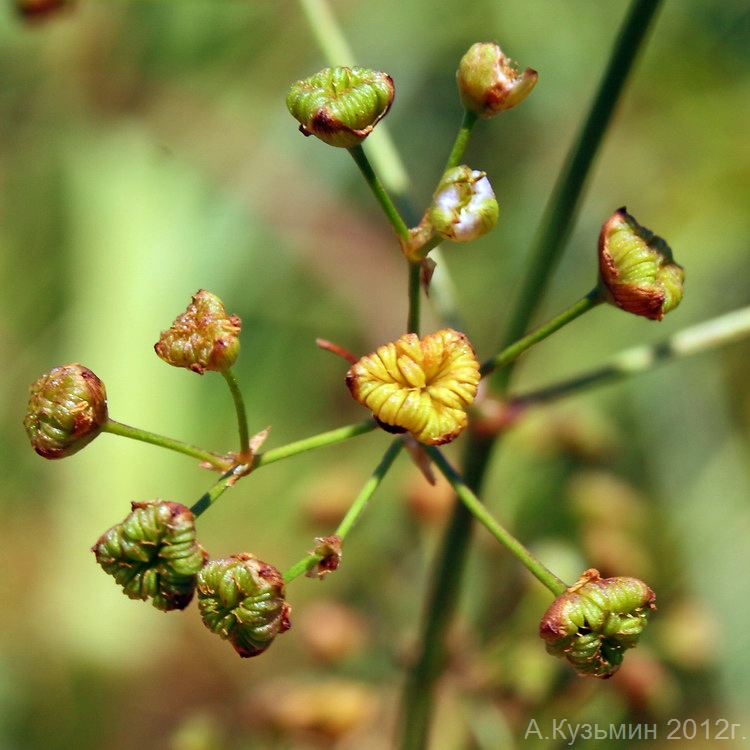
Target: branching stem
x=564 y=202
x=477 y=509
x=239 y=407
x=418 y=697
x=214 y=493
x=323 y=439
x=355 y=511
x=720 y=331
x=380 y=193
x=462 y=139
x=135 y=433
x=515 y=350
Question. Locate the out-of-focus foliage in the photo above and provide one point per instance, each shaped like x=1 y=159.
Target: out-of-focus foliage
x=145 y=153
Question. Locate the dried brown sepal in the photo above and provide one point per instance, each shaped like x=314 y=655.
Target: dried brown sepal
x=421 y=460
x=67 y=409
x=242 y=463
x=203 y=338
x=336 y=349
x=329 y=548
x=595 y=621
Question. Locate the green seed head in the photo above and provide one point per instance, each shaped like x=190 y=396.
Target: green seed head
x=464 y=206
x=636 y=270
x=241 y=599
x=203 y=338
x=489 y=82
x=153 y=554
x=341 y=106
x=595 y=621
x=67 y=410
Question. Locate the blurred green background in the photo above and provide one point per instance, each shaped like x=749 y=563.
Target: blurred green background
x=146 y=152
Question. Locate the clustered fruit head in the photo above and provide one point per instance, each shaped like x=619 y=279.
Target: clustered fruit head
x=421 y=386
x=203 y=338
x=67 y=409
x=153 y=554
x=241 y=599
x=463 y=206
x=488 y=81
x=595 y=621
x=637 y=272
x=341 y=105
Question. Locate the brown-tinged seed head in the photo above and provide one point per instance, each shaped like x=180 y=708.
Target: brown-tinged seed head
x=203 y=338
x=153 y=554
x=595 y=621
x=241 y=599
x=488 y=81
x=341 y=105
x=637 y=272
x=67 y=410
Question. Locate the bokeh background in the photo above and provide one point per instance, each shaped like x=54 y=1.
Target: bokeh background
x=146 y=152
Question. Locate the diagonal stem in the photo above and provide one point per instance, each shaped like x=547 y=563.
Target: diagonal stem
x=380 y=193
x=515 y=350
x=136 y=433
x=418 y=696
x=477 y=509
x=721 y=331
x=355 y=511
x=239 y=406
x=564 y=202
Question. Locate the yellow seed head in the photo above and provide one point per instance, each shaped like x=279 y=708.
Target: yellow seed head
x=421 y=386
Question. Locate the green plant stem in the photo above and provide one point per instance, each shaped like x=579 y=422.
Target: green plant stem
x=135 y=433
x=239 y=407
x=424 y=250
x=720 y=331
x=399 y=226
x=515 y=350
x=217 y=490
x=415 y=277
x=327 y=32
x=442 y=600
x=355 y=510
x=224 y=463
x=389 y=165
x=445 y=587
x=477 y=509
x=564 y=202
x=278 y=454
x=418 y=694
x=462 y=139
x=380 y=193
x=443 y=296
x=321 y=440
